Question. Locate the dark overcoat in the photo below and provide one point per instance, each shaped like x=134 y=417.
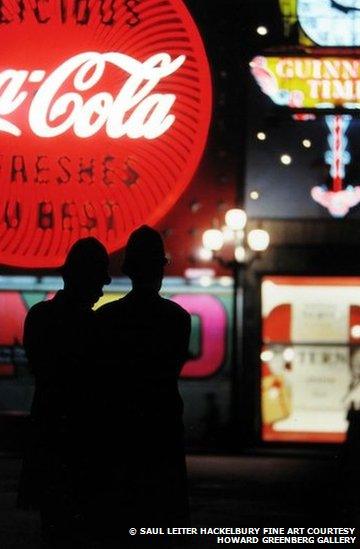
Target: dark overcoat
x=58 y=335
x=145 y=342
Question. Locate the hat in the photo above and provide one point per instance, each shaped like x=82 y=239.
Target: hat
x=82 y=257
x=144 y=253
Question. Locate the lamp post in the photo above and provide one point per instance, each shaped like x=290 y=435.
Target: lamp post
x=244 y=248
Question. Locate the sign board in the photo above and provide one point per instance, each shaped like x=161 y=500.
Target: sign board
x=104 y=113
x=309 y=82
x=309 y=357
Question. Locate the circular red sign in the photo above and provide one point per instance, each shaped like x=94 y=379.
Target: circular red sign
x=104 y=113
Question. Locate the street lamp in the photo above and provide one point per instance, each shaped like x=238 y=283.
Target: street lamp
x=233 y=232
x=245 y=248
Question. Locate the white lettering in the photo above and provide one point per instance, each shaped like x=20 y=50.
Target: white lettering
x=11 y=82
x=284 y=68
x=135 y=111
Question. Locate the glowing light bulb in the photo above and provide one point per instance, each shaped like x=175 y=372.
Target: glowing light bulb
x=254 y=195
x=239 y=253
x=261 y=136
x=205 y=254
x=306 y=143
x=261 y=30
x=213 y=239
x=266 y=356
x=285 y=159
x=235 y=219
x=355 y=331
x=288 y=354
x=258 y=240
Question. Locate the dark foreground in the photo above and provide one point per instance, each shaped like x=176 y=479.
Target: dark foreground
x=246 y=491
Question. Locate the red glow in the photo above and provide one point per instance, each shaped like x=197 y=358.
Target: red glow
x=213 y=327
x=12 y=309
x=55 y=190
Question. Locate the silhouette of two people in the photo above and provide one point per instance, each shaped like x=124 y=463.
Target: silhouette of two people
x=124 y=455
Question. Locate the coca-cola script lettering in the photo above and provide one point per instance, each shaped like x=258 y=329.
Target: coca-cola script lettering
x=149 y=112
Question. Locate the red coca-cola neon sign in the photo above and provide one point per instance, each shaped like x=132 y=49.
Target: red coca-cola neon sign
x=104 y=113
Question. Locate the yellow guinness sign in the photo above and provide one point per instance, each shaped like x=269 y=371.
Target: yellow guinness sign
x=309 y=82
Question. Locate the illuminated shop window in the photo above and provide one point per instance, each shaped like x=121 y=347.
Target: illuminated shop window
x=310 y=359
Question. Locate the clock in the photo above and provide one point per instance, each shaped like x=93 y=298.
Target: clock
x=330 y=22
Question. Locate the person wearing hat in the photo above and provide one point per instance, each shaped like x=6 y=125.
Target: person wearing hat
x=145 y=342
x=58 y=337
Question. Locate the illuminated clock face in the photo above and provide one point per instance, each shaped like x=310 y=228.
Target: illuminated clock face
x=331 y=22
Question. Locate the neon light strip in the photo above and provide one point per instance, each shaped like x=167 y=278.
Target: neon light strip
x=338 y=200
x=337 y=157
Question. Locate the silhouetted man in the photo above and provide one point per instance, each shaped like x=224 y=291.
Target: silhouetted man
x=145 y=344
x=58 y=338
